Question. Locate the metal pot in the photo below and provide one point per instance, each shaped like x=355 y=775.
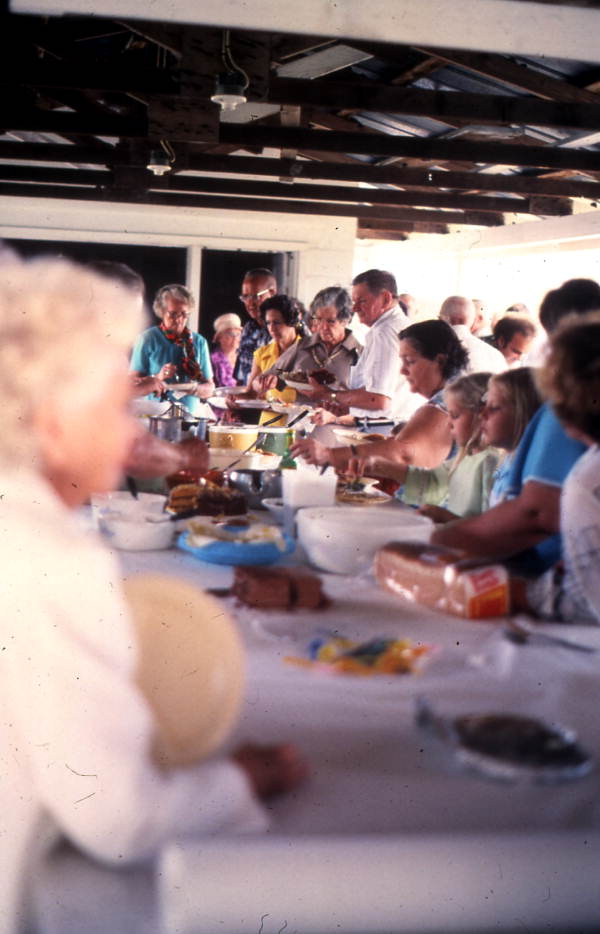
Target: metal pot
x=196 y=428
x=256 y=485
x=169 y=426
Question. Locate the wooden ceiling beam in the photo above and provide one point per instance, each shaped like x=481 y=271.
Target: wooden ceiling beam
x=368 y=234
x=439 y=105
x=500 y=68
x=400 y=146
x=297 y=191
x=49 y=73
x=372 y=227
x=350 y=170
x=237 y=203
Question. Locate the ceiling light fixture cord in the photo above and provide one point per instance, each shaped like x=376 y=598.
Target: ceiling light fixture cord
x=228 y=60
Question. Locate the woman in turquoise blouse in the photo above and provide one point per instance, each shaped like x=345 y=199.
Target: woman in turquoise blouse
x=170 y=351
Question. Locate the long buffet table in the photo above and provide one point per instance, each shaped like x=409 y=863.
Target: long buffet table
x=390 y=833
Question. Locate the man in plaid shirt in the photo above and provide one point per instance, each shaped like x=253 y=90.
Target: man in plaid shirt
x=257 y=286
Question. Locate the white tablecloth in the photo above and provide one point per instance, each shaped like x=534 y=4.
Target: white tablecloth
x=382 y=789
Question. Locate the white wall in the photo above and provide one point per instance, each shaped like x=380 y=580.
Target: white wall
x=324 y=245
x=502 y=265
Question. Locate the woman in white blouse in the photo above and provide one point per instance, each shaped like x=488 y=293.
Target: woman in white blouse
x=76 y=731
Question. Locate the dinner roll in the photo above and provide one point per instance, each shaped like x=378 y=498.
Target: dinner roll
x=190 y=666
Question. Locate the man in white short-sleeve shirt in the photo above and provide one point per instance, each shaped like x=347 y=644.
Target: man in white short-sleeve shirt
x=459 y=312
x=375 y=379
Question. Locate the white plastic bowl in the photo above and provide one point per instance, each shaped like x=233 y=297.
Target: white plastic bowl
x=122 y=501
x=129 y=529
x=343 y=539
x=275 y=507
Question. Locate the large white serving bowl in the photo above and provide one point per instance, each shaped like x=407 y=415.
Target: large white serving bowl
x=122 y=501
x=344 y=539
x=127 y=522
x=135 y=533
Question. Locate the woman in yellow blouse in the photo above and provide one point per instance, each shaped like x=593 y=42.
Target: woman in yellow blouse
x=283 y=316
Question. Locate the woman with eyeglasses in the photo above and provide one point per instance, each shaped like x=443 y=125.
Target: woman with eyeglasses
x=331 y=347
x=170 y=351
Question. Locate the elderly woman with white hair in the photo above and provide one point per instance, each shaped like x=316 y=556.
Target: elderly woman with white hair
x=170 y=351
x=77 y=733
x=228 y=333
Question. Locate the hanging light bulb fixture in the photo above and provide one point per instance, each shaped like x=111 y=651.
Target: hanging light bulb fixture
x=161 y=160
x=232 y=82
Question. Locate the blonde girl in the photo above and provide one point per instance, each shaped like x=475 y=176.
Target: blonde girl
x=461 y=485
x=511 y=402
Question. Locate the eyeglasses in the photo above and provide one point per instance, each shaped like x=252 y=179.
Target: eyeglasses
x=175 y=315
x=316 y=320
x=253 y=296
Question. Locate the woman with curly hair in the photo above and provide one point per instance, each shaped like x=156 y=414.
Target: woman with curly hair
x=430 y=356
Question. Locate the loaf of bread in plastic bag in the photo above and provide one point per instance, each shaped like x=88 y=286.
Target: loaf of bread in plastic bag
x=443 y=578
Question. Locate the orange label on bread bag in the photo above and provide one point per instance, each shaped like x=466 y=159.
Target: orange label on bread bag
x=487 y=592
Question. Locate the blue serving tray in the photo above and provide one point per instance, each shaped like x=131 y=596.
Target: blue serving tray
x=243 y=553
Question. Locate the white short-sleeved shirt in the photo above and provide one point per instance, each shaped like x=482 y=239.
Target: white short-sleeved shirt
x=378 y=367
x=483 y=358
x=75 y=730
x=574 y=595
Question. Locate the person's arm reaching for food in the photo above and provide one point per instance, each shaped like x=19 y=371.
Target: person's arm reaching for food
x=423 y=442
x=355 y=398
x=152 y=457
x=509 y=527
x=145 y=385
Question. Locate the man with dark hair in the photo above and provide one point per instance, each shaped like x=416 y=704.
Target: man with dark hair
x=257 y=286
x=513 y=336
x=527 y=523
x=375 y=379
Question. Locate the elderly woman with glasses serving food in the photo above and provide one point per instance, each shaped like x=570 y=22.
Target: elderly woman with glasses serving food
x=324 y=358
x=170 y=351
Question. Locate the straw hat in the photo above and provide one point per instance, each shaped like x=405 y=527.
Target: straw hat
x=224 y=322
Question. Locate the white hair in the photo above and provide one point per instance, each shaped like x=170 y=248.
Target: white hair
x=59 y=324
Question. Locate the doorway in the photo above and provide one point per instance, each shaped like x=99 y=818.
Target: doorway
x=221 y=279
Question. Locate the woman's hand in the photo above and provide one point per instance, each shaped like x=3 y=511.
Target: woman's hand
x=145 y=385
x=310 y=450
x=264 y=382
x=167 y=371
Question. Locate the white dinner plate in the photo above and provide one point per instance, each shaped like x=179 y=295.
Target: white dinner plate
x=252 y=404
x=229 y=390
x=184 y=388
x=299 y=387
